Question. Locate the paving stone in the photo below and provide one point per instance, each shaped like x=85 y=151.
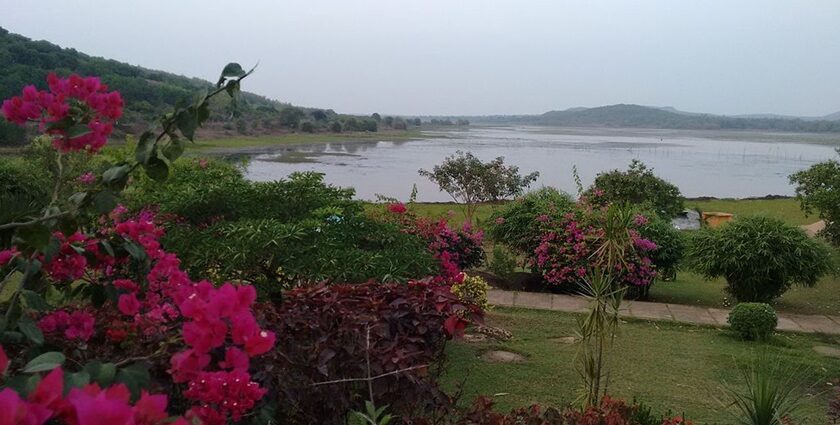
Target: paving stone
x=691 y=314
x=533 y=300
x=569 y=303
x=786 y=324
x=499 y=297
x=720 y=315
x=566 y=340
x=499 y=356
x=828 y=351
x=820 y=324
x=646 y=310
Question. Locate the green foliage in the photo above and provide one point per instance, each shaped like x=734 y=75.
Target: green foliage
x=637 y=186
x=818 y=190
x=276 y=234
x=503 y=263
x=670 y=244
x=470 y=181
x=771 y=394
x=753 y=321
x=307 y=127
x=515 y=223
x=759 y=257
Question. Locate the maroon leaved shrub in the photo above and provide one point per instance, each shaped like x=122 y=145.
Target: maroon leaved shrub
x=328 y=334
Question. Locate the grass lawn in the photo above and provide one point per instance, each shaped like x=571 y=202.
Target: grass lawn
x=665 y=365
x=785 y=209
x=203 y=145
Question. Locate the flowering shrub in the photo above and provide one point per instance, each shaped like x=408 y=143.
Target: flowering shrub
x=568 y=249
x=515 y=223
x=456 y=250
x=107 y=296
x=86 y=405
x=87 y=128
x=472 y=290
x=330 y=333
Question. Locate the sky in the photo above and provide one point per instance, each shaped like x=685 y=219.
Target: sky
x=474 y=57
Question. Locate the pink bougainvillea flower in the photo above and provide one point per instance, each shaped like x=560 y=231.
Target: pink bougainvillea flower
x=129 y=304
x=94 y=406
x=259 y=343
x=397 y=208
x=186 y=365
x=4 y=361
x=16 y=411
x=87 y=178
x=235 y=359
x=7 y=255
x=50 y=393
x=150 y=409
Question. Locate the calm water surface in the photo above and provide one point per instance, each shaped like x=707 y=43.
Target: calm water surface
x=700 y=163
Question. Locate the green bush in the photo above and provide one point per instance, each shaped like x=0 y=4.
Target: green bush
x=818 y=190
x=275 y=234
x=515 y=224
x=503 y=262
x=670 y=246
x=753 y=321
x=760 y=257
x=637 y=186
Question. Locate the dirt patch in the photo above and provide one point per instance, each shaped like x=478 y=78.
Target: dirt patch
x=565 y=340
x=499 y=356
x=813 y=228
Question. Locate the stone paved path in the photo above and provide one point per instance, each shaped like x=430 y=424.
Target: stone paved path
x=659 y=311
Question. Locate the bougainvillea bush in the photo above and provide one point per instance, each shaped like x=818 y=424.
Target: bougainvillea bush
x=454 y=249
x=515 y=223
x=395 y=333
x=569 y=247
x=98 y=321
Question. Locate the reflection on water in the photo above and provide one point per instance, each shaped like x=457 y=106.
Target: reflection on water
x=733 y=164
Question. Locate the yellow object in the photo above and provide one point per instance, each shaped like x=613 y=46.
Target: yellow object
x=715 y=219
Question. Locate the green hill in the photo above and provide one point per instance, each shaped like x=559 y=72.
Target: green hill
x=149 y=93
x=648 y=117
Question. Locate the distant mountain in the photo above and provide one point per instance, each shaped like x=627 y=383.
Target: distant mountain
x=637 y=116
x=149 y=93
x=832 y=117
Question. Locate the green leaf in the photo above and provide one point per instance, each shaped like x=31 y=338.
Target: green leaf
x=116 y=177
x=135 y=377
x=76 y=380
x=44 y=362
x=36 y=236
x=157 y=170
x=231 y=70
x=102 y=373
x=173 y=150
x=187 y=120
x=145 y=147
x=34 y=300
x=78 y=130
x=136 y=251
x=104 y=202
x=28 y=328
x=78 y=198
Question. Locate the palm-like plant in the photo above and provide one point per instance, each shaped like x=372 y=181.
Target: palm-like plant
x=770 y=395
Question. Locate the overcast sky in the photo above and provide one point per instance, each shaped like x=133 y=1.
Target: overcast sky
x=474 y=57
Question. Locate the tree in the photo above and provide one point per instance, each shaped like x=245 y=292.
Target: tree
x=760 y=257
x=319 y=115
x=376 y=116
x=291 y=116
x=818 y=189
x=638 y=186
x=469 y=181
x=389 y=121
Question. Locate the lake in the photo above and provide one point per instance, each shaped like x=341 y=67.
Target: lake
x=701 y=163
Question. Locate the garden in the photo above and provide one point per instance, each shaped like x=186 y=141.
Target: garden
x=144 y=286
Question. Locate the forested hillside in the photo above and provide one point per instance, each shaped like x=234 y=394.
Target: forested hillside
x=148 y=93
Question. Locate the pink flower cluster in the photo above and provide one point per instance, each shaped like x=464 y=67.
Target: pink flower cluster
x=210 y=320
x=564 y=255
x=88 y=405
x=78 y=325
x=86 y=101
x=397 y=208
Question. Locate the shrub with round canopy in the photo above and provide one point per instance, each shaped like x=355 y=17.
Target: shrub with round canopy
x=760 y=257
